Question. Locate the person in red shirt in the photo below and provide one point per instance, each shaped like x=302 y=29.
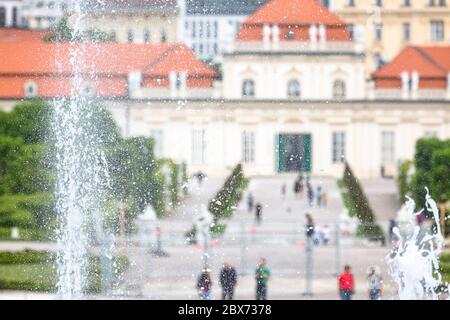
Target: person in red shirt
x=346 y=284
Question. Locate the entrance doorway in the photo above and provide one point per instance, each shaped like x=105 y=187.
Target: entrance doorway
x=293 y=152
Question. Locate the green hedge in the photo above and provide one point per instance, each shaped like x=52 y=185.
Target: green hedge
x=35 y=271
x=358 y=204
x=224 y=203
x=403 y=182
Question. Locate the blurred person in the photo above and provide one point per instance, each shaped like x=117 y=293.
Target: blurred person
x=204 y=285
x=262 y=276
x=283 y=191
x=346 y=284
x=228 y=280
x=326 y=234
x=375 y=284
x=325 y=198
x=319 y=194
x=298 y=186
x=310 y=230
x=258 y=213
x=250 y=202
x=310 y=194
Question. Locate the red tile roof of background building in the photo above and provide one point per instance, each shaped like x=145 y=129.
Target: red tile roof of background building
x=430 y=62
x=109 y=62
x=293 y=13
x=20 y=35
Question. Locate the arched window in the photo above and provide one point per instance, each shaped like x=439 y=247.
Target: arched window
x=293 y=88
x=248 y=88
x=146 y=36
x=130 y=36
x=31 y=89
x=339 y=90
x=163 y=35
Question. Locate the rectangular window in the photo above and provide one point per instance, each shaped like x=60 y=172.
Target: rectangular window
x=406 y=31
x=216 y=29
x=378 y=31
x=194 y=29
x=208 y=30
x=200 y=29
x=350 y=3
x=157 y=135
x=387 y=147
x=407 y=3
x=248 y=147
x=338 y=147
x=379 y=3
x=437 y=30
x=2 y=17
x=198 y=146
x=442 y=3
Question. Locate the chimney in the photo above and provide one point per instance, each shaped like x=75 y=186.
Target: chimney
x=266 y=36
x=183 y=83
x=134 y=82
x=405 y=84
x=173 y=84
x=322 y=34
x=275 y=36
x=415 y=85
x=448 y=86
x=313 y=36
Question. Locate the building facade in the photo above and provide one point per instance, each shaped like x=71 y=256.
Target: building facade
x=135 y=21
x=43 y=14
x=293 y=96
x=11 y=13
x=387 y=26
x=210 y=26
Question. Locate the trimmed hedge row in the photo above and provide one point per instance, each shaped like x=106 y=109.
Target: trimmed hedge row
x=358 y=203
x=224 y=203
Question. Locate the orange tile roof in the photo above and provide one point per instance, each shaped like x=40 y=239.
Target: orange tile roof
x=430 y=62
x=20 y=35
x=179 y=58
x=295 y=13
x=48 y=62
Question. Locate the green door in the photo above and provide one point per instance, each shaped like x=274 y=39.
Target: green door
x=293 y=152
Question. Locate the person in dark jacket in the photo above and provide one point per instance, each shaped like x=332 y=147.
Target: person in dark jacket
x=228 y=280
x=258 y=212
x=204 y=284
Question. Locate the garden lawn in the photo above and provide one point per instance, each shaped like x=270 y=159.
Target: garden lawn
x=35 y=271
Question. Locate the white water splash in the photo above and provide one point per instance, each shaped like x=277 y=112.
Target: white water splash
x=414 y=263
x=81 y=174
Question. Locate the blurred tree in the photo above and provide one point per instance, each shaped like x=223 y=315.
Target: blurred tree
x=21 y=168
x=425 y=175
x=64 y=33
x=135 y=175
x=440 y=174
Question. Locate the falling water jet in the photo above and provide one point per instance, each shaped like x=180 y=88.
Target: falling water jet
x=414 y=262
x=82 y=174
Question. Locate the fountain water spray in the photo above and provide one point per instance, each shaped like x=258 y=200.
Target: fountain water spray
x=414 y=263
x=81 y=171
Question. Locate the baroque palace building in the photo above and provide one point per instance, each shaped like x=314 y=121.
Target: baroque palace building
x=386 y=26
x=293 y=94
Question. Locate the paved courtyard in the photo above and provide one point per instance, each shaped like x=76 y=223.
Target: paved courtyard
x=280 y=239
